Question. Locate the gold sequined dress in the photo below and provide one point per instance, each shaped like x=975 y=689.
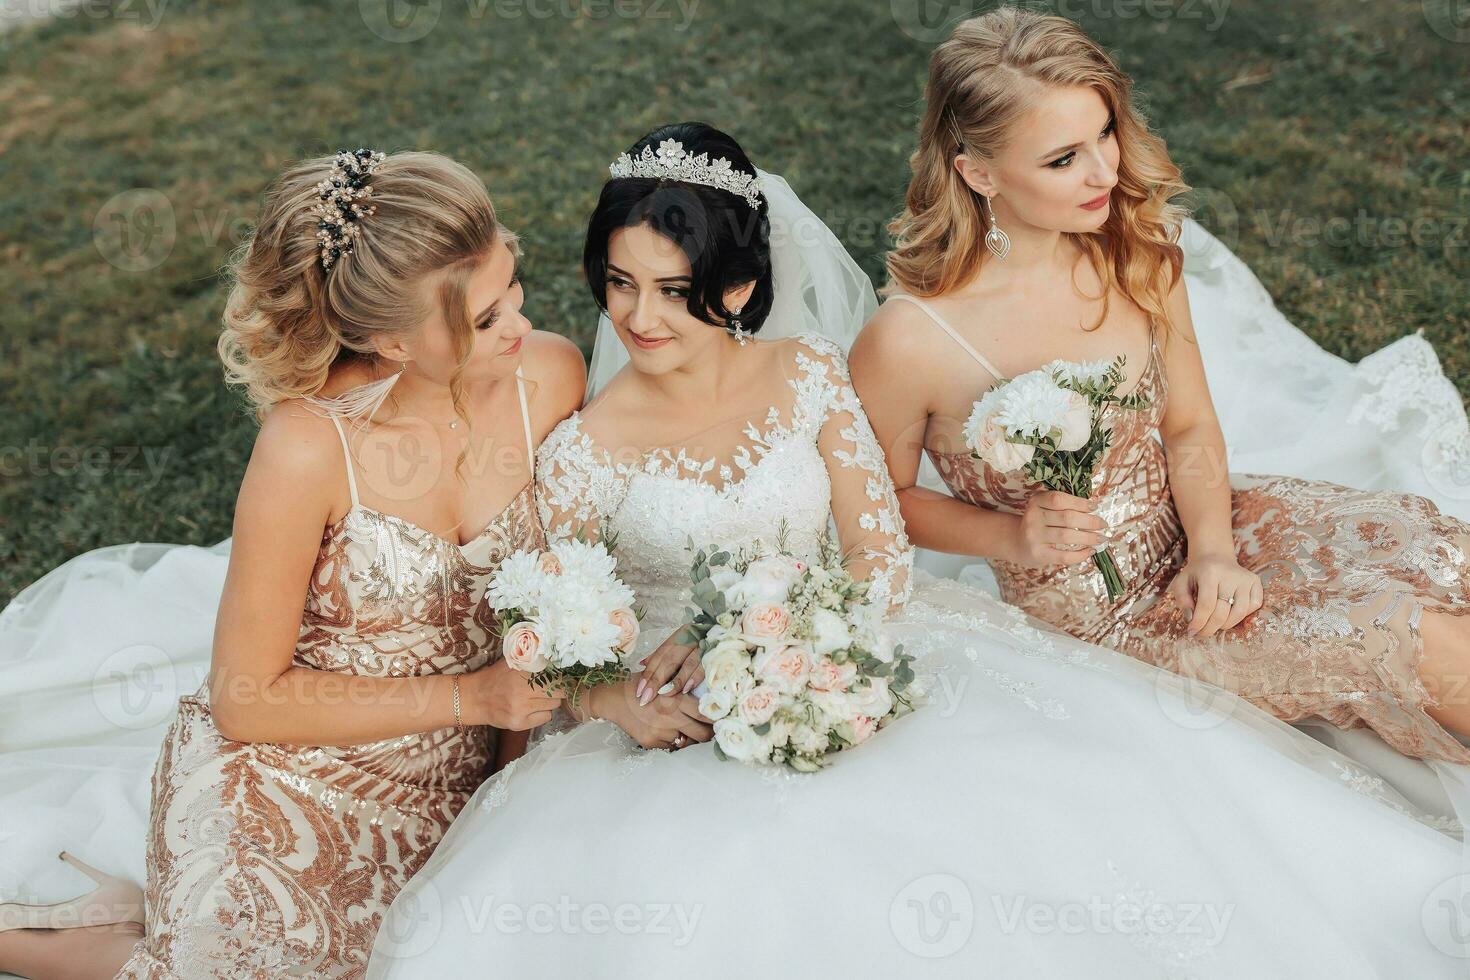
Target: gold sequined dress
x=269 y=860
x=1346 y=575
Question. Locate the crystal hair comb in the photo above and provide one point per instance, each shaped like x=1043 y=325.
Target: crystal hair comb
x=342 y=195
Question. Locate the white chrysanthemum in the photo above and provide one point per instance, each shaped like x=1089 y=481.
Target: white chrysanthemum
x=1033 y=405
x=586 y=563
x=518 y=583
x=1080 y=372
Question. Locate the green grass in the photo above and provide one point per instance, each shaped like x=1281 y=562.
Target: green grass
x=1308 y=109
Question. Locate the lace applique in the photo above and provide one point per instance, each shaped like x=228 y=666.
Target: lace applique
x=819 y=463
x=1364 y=783
x=1021 y=691
x=1178 y=936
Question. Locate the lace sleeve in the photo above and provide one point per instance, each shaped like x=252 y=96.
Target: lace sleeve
x=864 y=504
x=577 y=486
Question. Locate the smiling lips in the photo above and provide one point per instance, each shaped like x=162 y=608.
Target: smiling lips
x=649 y=343
x=513 y=348
x=1096 y=203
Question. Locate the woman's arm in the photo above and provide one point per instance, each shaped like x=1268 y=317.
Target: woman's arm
x=256 y=693
x=1199 y=478
x=865 y=507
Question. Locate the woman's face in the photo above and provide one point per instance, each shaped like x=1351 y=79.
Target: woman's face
x=648 y=286
x=1059 y=168
x=493 y=298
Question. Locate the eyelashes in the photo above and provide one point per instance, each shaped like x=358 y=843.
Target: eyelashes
x=494 y=317
x=1065 y=160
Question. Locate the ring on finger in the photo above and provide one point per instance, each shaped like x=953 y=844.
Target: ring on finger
x=679 y=741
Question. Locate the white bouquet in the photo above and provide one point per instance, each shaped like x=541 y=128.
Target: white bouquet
x=1053 y=423
x=796 y=664
x=565 y=616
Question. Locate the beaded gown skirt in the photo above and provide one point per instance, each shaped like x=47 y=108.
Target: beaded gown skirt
x=1346 y=576
x=269 y=860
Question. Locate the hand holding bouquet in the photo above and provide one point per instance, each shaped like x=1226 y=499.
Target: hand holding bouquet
x=565 y=616
x=1052 y=423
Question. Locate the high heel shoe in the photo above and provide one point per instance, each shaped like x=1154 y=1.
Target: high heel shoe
x=113 y=900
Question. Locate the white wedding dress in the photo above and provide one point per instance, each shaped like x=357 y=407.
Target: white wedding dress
x=1000 y=826
x=1055 y=810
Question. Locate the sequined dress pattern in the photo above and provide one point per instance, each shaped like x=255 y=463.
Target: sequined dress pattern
x=1346 y=575
x=269 y=860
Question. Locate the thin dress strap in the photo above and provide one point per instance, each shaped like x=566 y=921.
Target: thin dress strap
x=526 y=423
x=953 y=333
x=347 y=454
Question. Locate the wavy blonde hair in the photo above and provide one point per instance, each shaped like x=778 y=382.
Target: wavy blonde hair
x=982 y=80
x=288 y=321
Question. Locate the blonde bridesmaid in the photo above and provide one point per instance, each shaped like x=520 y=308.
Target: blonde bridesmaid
x=356 y=690
x=1038 y=226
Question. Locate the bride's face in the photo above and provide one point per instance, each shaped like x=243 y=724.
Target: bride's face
x=1059 y=168
x=493 y=298
x=648 y=283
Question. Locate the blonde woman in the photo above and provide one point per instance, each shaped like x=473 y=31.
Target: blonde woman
x=356 y=686
x=1039 y=225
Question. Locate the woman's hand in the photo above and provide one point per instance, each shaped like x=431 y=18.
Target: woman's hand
x=501 y=696
x=1204 y=588
x=670 y=662
x=666 y=723
x=1057 y=528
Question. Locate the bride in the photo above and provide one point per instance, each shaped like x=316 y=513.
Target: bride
x=1055 y=809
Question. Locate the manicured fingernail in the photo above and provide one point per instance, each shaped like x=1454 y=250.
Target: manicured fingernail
x=666 y=689
x=641 y=685
x=689 y=685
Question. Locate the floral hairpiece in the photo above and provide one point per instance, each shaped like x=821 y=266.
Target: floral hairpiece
x=673 y=162
x=342 y=195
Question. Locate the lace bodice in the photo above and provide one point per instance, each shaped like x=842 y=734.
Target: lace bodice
x=814 y=463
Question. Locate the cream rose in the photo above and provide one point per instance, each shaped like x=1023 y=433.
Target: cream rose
x=524 y=649
x=768 y=580
x=550 y=564
x=627 y=623
x=765 y=623
x=736 y=739
x=759 y=704
x=827 y=675
x=787 y=668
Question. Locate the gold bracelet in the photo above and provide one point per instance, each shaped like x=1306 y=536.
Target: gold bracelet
x=457 y=723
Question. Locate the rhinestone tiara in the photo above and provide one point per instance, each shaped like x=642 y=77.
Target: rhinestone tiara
x=673 y=162
x=341 y=207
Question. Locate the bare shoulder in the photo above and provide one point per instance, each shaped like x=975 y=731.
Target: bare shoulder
x=296 y=464
x=898 y=337
x=558 y=370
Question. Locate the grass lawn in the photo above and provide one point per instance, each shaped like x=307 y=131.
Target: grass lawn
x=1297 y=117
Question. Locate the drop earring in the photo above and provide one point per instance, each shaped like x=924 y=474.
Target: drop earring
x=735 y=328
x=997 y=242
